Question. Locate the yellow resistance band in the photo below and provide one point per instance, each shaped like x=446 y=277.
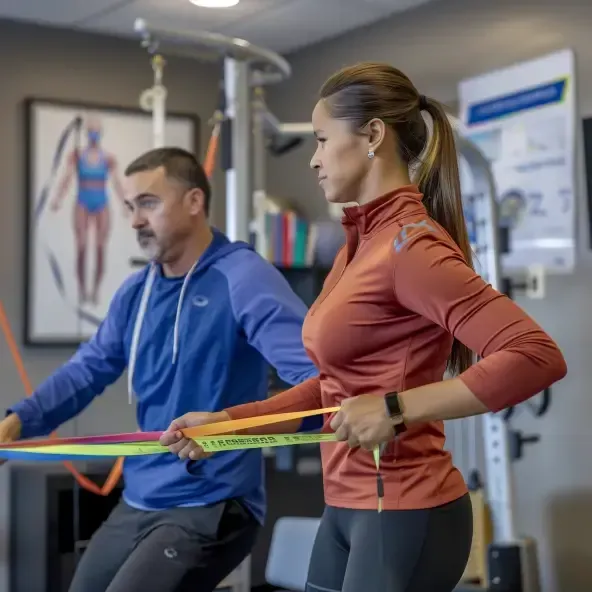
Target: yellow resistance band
x=209 y=444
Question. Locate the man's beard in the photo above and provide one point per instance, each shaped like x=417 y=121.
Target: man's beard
x=149 y=244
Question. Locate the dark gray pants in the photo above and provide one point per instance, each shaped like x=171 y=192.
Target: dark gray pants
x=394 y=551
x=176 y=550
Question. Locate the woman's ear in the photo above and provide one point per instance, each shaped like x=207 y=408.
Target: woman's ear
x=376 y=131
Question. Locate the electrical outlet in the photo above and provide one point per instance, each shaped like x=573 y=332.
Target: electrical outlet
x=535 y=282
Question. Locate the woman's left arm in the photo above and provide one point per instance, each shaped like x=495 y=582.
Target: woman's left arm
x=518 y=361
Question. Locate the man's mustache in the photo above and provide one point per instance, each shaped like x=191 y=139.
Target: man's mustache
x=143 y=234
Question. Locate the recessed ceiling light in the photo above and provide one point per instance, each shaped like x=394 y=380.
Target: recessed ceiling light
x=214 y=3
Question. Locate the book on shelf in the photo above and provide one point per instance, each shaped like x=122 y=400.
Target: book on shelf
x=287 y=239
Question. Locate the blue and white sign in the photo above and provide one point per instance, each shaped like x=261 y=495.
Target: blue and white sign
x=523 y=120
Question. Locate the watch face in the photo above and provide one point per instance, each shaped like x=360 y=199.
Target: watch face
x=392 y=403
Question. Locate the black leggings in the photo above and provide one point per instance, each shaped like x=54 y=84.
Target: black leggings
x=392 y=551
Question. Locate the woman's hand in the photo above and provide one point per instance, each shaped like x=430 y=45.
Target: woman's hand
x=363 y=421
x=185 y=447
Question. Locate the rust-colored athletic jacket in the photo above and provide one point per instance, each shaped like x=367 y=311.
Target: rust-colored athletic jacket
x=398 y=292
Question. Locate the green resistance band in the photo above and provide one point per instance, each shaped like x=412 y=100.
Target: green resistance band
x=209 y=444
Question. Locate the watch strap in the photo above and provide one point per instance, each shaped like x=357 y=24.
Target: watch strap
x=395 y=411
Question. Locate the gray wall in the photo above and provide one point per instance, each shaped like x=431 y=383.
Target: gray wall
x=437 y=46
x=71 y=66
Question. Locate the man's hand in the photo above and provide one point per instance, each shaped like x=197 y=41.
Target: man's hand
x=10 y=430
x=184 y=447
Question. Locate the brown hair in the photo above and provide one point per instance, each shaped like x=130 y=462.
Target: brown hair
x=179 y=164
x=372 y=90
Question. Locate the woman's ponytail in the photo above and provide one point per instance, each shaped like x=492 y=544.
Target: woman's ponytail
x=438 y=178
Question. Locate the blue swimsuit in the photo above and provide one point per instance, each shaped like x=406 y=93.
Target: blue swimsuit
x=92 y=181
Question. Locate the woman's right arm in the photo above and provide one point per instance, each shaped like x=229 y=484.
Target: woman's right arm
x=302 y=397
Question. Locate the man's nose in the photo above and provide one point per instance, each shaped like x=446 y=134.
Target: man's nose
x=138 y=221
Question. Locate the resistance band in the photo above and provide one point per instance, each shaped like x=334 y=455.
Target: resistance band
x=212 y=150
x=142 y=438
x=209 y=444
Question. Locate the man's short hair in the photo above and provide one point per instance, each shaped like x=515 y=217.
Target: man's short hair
x=179 y=164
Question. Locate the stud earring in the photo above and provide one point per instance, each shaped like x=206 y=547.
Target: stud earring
x=370 y=153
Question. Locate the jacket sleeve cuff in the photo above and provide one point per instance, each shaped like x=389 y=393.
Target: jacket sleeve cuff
x=32 y=424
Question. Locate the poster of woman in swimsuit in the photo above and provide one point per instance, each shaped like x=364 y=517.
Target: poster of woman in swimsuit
x=79 y=240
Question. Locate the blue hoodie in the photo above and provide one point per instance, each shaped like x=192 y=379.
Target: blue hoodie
x=201 y=342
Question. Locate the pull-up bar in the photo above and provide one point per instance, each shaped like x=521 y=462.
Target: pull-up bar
x=269 y=66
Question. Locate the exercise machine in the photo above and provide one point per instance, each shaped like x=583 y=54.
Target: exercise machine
x=501 y=560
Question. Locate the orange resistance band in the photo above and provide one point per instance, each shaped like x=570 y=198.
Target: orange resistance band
x=236 y=425
x=115 y=473
x=210 y=157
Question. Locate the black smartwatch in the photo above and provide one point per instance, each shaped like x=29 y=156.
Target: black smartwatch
x=393 y=406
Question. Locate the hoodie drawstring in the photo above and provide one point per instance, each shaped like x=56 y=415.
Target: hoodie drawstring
x=137 y=329
x=140 y=320
x=179 y=308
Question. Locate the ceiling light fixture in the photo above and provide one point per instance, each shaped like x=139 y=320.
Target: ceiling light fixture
x=215 y=3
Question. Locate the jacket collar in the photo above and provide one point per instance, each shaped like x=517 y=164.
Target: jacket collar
x=384 y=210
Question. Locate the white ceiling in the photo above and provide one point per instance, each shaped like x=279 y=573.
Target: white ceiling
x=280 y=25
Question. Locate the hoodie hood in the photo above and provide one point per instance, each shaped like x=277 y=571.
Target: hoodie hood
x=220 y=247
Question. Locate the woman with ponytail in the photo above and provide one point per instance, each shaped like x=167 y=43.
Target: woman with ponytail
x=401 y=306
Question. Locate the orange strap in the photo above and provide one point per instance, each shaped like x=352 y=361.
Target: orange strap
x=85 y=482
x=210 y=157
x=235 y=425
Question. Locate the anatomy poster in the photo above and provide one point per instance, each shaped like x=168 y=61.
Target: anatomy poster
x=80 y=243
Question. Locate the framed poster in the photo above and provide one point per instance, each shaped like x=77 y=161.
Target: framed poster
x=79 y=239
x=523 y=118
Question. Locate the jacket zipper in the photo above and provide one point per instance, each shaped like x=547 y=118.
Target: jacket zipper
x=313 y=310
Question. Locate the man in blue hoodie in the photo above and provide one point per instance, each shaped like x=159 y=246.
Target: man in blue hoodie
x=196 y=330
